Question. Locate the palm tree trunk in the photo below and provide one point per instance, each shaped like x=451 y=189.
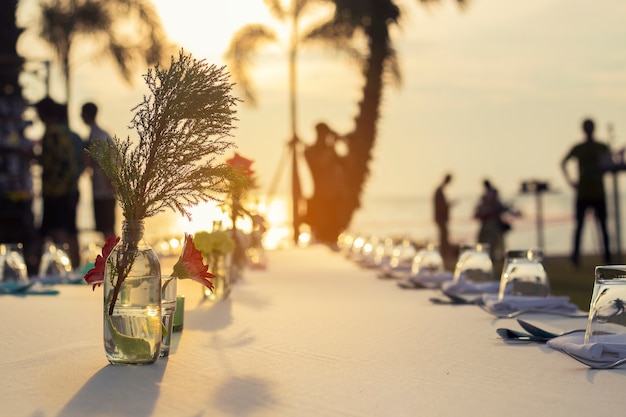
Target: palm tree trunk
x=296 y=190
x=362 y=139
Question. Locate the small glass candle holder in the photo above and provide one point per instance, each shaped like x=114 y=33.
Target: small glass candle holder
x=523 y=274
x=607 y=311
x=168 y=308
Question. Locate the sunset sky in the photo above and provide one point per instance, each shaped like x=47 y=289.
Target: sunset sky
x=498 y=90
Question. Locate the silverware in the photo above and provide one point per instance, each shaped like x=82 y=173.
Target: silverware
x=455 y=300
x=536 y=331
x=594 y=363
x=531 y=310
x=514 y=335
x=408 y=284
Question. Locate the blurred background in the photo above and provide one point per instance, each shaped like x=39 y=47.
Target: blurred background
x=488 y=89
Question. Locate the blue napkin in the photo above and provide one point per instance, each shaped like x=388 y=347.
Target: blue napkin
x=20 y=288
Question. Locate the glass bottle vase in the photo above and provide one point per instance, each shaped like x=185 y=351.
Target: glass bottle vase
x=219 y=265
x=132 y=300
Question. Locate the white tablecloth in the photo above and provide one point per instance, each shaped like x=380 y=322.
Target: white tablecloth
x=313 y=335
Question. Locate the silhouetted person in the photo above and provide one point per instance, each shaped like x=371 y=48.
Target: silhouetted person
x=325 y=207
x=489 y=212
x=103 y=193
x=61 y=161
x=593 y=159
x=17 y=224
x=442 y=215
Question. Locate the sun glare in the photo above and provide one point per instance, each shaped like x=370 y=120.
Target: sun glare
x=206 y=216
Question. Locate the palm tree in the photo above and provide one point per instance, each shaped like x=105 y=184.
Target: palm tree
x=105 y=22
x=373 y=19
x=352 y=19
x=239 y=57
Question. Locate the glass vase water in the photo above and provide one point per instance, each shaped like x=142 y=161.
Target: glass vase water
x=132 y=300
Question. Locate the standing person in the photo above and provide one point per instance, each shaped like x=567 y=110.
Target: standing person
x=61 y=167
x=489 y=212
x=103 y=193
x=593 y=158
x=442 y=215
x=324 y=208
x=17 y=224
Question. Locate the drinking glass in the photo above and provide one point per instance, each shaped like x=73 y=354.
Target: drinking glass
x=55 y=262
x=402 y=255
x=474 y=264
x=168 y=307
x=382 y=252
x=607 y=311
x=12 y=264
x=523 y=274
x=427 y=261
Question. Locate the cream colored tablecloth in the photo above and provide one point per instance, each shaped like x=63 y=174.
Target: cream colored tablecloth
x=313 y=335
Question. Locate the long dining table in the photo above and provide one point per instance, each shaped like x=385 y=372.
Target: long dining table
x=313 y=334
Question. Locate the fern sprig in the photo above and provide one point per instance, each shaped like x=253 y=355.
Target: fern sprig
x=182 y=126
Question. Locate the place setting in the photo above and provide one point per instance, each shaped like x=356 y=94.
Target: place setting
x=473 y=277
x=525 y=288
x=603 y=343
x=427 y=270
x=14 y=279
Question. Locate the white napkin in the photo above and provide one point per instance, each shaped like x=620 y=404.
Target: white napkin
x=512 y=303
x=610 y=349
x=432 y=280
x=463 y=286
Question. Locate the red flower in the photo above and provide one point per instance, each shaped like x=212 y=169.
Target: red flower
x=242 y=163
x=95 y=275
x=190 y=264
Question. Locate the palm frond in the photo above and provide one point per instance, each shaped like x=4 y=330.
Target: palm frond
x=240 y=54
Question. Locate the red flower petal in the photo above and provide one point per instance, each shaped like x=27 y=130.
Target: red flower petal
x=95 y=275
x=242 y=163
x=191 y=265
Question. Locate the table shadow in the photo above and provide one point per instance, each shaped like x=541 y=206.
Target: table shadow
x=217 y=317
x=240 y=396
x=118 y=390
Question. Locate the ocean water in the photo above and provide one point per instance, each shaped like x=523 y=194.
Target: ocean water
x=411 y=216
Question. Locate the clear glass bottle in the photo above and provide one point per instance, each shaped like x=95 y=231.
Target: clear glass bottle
x=168 y=309
x=219 y=265
x=132 y=300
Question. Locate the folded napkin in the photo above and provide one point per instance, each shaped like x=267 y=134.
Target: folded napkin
x=463 y=286
x=19 y=288
x=431 y=280
x=61 y=279
x=611 y=348
x=513 y=303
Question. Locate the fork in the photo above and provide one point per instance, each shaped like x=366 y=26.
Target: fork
x=596 y=364
x=531 y=310
x=536 y=331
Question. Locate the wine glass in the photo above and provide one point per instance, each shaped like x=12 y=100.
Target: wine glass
x=55 y=263
x=523 y=274
x=383 y=251
x=12 y=264
x=402 y=255
x=427 y=261
x=607 y=311
x=474 y=264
